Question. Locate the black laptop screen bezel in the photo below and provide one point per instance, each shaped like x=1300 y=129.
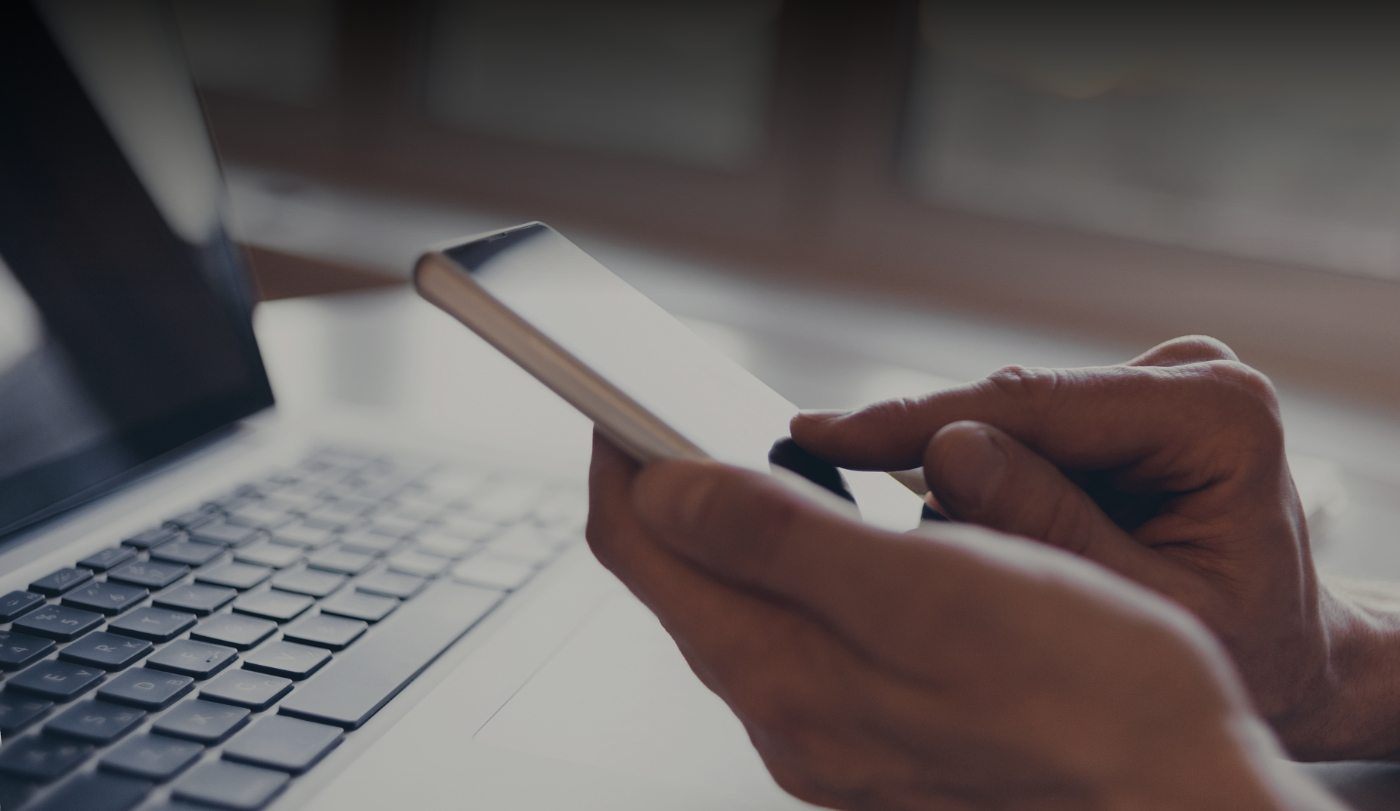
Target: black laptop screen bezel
x=50 y=487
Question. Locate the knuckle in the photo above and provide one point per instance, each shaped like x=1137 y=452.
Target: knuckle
x=1201 y=347
x=1249 y=394
x=597 y=532
x=1243 y=379
x=815 y=768
x=1024 y=383
x=767 y=707
x=1247 y=421
x=778 y=518
x=798 y=782
x=772 y=518
x=593 y=530
x=891 y=412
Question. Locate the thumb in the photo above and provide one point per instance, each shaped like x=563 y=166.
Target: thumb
x=982 y=476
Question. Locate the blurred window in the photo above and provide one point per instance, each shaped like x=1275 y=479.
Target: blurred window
x=280 y=50
x=686 y=81
x=1277 y=142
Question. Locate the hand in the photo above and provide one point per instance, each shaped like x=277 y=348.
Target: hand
x=1169 y=470
x=971 y=669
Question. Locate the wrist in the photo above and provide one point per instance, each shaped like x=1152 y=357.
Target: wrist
x=1356 y=711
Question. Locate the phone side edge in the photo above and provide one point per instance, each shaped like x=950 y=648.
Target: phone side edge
x=645 y=437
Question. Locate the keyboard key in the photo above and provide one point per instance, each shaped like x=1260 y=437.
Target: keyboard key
x=266 y=553
x=463 y=525
x=189 y=658
x=107 y=558
x=260 y=515
x=369 y=543
x=150 y=574
x=96 y=792
x=234 y=630
x=391 y=584
x=105 y=598
x=158 y=624
x=325 y=631
x=342 y=561
x=57 y=680
x=18 y=711
x=417 y=563
x=273 y=605
x=233 y=500
x=146 y=688
x=195 y=518
x=41 y=758
x=394 y=526
x=190 y=553
x=408 y=507
x=221 y=533
x=196 y=598
x=492 y=571
x=18 y=602
x=239 y=576
x=444 y=545
x=359 y=605
x=525 y=545
x=310 y=582
x=98 y=722
x=304 y=536
x=244 y=688
x=343 y=511
x=230 y=785
x=151 y=538
x=18 y=650
x=152 y=756
x=15 y=792
x=286 y=659
x=60 y=581
x=362 y=679
x=285 y=744
x=58 y=622
x=105 y=650
x=206 y=722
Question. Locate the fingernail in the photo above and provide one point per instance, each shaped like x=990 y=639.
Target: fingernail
x=974 y=467
x=820 y=415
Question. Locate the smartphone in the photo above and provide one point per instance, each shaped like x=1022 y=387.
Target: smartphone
x=651 y=385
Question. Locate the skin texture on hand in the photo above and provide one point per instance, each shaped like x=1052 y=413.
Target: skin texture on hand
x=966 y=669
x=1170 y=471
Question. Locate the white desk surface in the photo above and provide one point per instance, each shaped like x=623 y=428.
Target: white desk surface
x=391 y=352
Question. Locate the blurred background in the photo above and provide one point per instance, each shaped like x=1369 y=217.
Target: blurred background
x=1106 y=179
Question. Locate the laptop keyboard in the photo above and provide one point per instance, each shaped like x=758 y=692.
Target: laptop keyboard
x=209 y=661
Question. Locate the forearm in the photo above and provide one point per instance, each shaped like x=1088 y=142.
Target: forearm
x=1361 y=720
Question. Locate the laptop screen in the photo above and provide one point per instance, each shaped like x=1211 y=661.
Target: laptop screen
x=125 y=326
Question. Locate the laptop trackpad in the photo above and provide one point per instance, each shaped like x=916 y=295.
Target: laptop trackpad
x=618 y=696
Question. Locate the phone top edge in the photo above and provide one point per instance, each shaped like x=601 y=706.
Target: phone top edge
x=447 y=245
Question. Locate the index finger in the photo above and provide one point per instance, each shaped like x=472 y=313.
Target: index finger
x=1090 y=418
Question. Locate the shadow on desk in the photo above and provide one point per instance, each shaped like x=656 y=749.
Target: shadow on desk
x=280 y=275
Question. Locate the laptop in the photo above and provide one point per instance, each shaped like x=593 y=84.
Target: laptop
x=203 y=605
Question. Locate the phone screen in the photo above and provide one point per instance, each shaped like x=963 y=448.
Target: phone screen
x=651 y=357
